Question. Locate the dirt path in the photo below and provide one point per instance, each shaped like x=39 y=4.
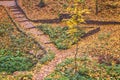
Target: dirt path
x=19 y=17
x=43 y=40
x=28 y=27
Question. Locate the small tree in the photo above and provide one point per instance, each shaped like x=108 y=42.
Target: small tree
x=76 y=12
x=42 y=3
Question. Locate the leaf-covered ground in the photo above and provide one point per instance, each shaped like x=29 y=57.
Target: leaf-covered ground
x=15 y=59
x=86 y=69
x=102 y=48
x=108 y=10
x=60 y=37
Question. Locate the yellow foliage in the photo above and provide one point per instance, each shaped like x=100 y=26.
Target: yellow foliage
x=71 y=31
x=76 y=13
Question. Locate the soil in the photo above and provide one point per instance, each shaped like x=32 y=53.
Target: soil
x=108 y=19
x=105 y=42
x=108 y=11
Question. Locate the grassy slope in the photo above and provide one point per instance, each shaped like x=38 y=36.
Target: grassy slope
x=103 y=47
x=17 y=46
x=14 y=44
x=12 y=39
x=98 y=55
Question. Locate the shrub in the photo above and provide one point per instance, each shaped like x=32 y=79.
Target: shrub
x=47 y=57
x=11 y=62
x=60 y=37
x=24 y=77
x=4 y=76
x=12 y=39
x=4 y=29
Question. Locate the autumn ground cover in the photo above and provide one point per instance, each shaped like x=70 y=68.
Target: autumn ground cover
x=17 y=61
x=13 y=49
x=100 y=59
x=101 y=51
x=53 y=9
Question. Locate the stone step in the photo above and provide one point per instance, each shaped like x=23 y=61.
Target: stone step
x=15 y=12
x=8 y=3
x=19 y=18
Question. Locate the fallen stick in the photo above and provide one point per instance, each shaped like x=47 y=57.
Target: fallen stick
x=91 y=32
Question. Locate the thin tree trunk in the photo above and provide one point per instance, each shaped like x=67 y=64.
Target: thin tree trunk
x=76 y=57
x=42 y=3
x=96 y=3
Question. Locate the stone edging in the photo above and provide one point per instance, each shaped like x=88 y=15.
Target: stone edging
x=86 y=35
x=22 y=30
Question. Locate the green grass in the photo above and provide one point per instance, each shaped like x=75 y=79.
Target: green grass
x=60 y=37
x=5 y=28
x=86 y=70
x=14 y=49
x=18 y=77
x=11 y=62
x=13 y=40
x=47 y=57
x=24 y=77
x=103 y=35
